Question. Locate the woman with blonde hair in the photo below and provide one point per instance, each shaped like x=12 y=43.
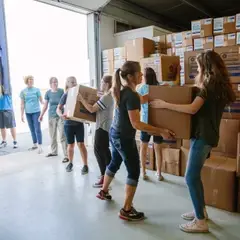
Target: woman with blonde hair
x=52 y=99
x=215 y=92
x=30 y=99
x=73 y=130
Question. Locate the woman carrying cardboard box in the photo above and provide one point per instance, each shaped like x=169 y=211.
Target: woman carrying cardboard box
x=122 y=136
x=73 y=130
x=149 y=78
x=104 y=111
x=215 y=92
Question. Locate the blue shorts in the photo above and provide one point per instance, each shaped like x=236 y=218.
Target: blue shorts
x=145 y=138
x=73 y=132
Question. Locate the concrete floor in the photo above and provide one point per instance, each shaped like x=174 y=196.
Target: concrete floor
x=40 y=201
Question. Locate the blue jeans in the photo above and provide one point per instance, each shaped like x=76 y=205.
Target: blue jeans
x=35 y=127
x=198 y=154
x=124 y=149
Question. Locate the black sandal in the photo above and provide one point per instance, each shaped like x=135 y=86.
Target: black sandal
x=65 y=160
x=51 y=155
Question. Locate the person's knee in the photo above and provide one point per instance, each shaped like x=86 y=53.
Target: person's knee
x=82 y=146
x=133 y=176
x=191 y=179
x=157 y=146
x=112 y=168
x=70 y=147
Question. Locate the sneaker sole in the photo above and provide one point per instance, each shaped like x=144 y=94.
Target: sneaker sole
x=97 y=186
x=130 y=219
x=190 y=219
x=103 y=198
x=84 y=173
x=192 y=231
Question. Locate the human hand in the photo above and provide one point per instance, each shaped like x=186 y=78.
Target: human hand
x=40 y=118
x=158 y=103
x=167 y=134
x=64 y=116
x=23 y=120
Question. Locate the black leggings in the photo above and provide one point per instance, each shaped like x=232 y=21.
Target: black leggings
x=101 y=149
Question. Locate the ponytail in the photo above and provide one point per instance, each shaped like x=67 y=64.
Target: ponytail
x=116 y=88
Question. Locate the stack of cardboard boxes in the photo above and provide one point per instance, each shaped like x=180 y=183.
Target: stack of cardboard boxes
x=164 y=54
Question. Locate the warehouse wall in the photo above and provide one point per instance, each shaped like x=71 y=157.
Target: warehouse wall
x=107 y=39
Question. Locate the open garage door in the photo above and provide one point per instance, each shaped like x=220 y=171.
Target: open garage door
x=78 y=5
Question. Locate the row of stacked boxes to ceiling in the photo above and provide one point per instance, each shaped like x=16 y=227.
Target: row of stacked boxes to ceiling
x=164 y=53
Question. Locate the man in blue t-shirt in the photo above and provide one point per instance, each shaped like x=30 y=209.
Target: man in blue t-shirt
x=7 y=120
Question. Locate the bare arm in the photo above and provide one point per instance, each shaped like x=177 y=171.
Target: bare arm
x=22 y=109
x=59 y=110
x=41 y=100
x=143 y=99
x=91 y=108
x=134 y=116
x=192 y=108
x=45 y=107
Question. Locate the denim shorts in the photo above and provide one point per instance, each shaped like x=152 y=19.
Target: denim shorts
x=145 y=138
x=73 y=132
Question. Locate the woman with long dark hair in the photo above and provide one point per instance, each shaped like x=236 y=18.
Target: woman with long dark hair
x=149 y=79
x=122 y=136
x=104 y=111
x=215 y=92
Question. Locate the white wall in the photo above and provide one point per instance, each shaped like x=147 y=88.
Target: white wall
x=107 y=39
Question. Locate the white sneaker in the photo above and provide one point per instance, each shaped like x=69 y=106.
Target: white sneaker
x=15 y=145
x=3 y=144
x=190 y=216
x=195 y=227
x=40 y=150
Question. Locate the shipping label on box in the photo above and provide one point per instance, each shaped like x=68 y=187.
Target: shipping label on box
x=238 y=38
x=120 y=53
x=180 y=52
x=178 y=39
x=107 y=55
x=218 y=25
x=238 y=22
x=198 y=44
x=231 y=57
x=219 y=41
x=196 y=28
x=108 y=67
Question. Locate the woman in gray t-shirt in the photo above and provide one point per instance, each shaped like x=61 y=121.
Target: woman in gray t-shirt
x=104 y=110
x=52 y=99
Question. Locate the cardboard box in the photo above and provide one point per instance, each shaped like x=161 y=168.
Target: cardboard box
x=165 y=68
x=232 y=111
x=238 y=195
x=190 y=66
x=186 y=143
x=225 y=40
x=203 y=43
x=229 y=129
x=119 y=53
x=118 y=64
x=170 y=40
x=238 y=38
x=238 y=22
x=202 y=28
x=171 y=161
x=219 y=181
x=231 y=57
x=139 y=48
x=171 y=51
x=160 y=42
x=74 y=109
x=236 y=89
x=238 y=157
x=183 y=39
x=184 y=160
x=107 y=55
x=179 y=123
x=150 y=162
x=108 y=67
x=224 y=25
